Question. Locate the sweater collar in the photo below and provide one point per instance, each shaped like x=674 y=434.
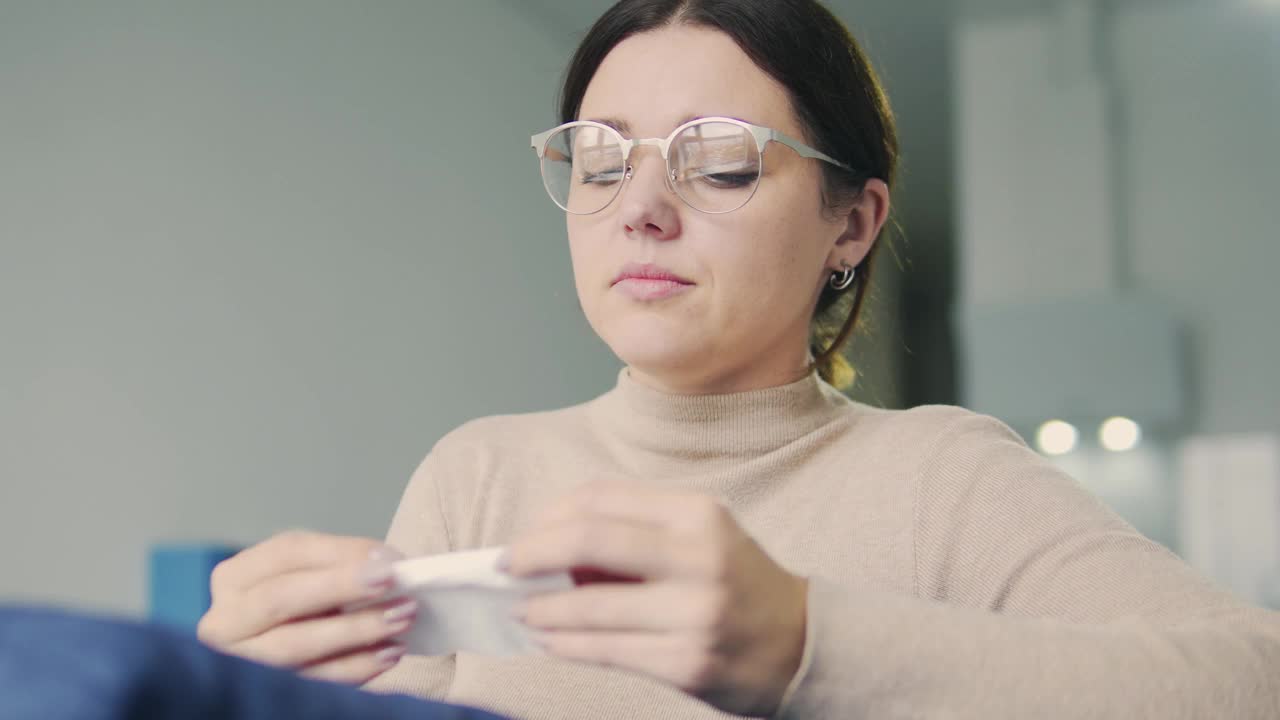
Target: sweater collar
x=731 y=427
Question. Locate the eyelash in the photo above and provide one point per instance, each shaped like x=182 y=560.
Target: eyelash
x=724 y=181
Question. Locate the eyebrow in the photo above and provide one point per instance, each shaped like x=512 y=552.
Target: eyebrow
x=624 y=128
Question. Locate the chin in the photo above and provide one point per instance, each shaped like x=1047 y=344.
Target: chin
x=652 y=345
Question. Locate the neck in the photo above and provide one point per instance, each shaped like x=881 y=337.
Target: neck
x=701 y=432
x=723 y=381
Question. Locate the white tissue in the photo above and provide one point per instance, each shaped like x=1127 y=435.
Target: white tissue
x=465 y=603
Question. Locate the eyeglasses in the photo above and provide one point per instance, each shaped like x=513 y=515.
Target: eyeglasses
x=713 y=164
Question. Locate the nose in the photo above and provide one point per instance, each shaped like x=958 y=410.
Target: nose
x=649 y=207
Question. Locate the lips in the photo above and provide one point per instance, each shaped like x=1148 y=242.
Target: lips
x=650 y=283
x=649 y=271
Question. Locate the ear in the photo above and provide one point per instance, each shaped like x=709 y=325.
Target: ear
x=863 y=222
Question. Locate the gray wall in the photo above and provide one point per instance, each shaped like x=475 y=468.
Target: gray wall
x=1135 y=152
x=254 y=259
x=1170 y=194
x=1203 y=81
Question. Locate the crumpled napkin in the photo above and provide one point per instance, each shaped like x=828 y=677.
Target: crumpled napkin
x=465 y=603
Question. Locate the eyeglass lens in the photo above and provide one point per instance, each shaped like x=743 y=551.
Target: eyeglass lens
x=713 y=166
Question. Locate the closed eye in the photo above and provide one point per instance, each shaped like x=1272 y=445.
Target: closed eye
x=728 y=181
x=604 y=178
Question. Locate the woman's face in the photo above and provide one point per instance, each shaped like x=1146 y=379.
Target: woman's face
x=750 y=278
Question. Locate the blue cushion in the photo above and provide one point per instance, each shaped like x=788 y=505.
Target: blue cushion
x=57 y=665
x=179 y=582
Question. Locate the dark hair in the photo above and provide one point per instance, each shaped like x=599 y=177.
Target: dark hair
x=835 y=93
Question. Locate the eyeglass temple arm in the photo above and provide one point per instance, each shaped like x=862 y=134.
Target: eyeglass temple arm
x=539 y=141
x=806 y=151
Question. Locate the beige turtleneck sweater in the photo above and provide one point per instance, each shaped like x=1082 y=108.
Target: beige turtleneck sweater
x=953 y=572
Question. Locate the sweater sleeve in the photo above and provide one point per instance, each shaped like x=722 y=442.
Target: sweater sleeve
x=1032 y=599
x=418 y=528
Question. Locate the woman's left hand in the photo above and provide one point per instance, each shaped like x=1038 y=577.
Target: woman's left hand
x=705 y=608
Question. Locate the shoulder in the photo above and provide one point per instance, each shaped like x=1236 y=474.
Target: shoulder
x=927 y=431
x=481 y=450
x=485 y=438
x=484 y=474
x=950 y=454
x=971 y=464
x=954 y=444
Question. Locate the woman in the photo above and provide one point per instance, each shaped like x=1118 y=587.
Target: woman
x=767 y=547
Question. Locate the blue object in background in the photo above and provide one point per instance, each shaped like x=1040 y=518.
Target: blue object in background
x=179 y=580
x=56 y=665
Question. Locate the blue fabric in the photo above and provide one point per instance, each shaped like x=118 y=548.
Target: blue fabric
x=57 y=665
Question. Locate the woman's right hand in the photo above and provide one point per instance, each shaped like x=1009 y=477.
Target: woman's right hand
x=281 y=603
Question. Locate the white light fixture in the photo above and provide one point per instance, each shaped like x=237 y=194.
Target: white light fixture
x=1119 y=434
x=1057 y=437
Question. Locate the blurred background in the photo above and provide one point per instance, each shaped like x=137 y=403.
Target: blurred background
x=255 y=258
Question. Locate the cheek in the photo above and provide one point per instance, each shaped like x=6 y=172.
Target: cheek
x=583 y=254
x=770 y=268
x=592 y=268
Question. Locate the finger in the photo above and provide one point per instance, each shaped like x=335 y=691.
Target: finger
x=678 y=659
x=291 y=551
x=301 y=643
x=358 y=667
x=615 y=546
x=654 y=607
x=305 y=593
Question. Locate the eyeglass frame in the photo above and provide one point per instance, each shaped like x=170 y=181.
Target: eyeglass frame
x=763 y=136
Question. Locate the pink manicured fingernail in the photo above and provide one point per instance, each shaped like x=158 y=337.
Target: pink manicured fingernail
x=387 y=553
x=389 y=655
x=400 y=612
x=377 y=573
x=504 y=560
